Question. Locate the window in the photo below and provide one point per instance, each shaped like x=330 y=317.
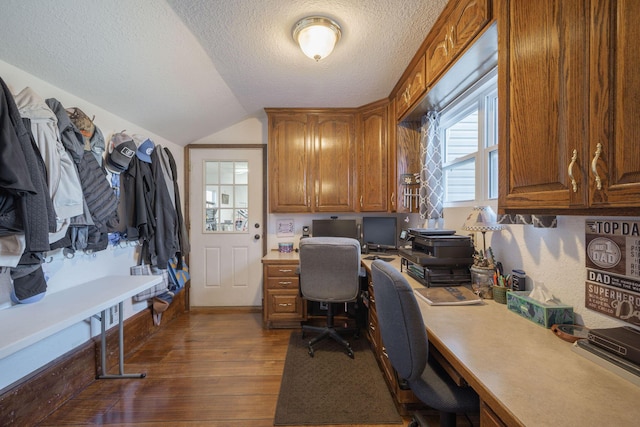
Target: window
x=226 y=196
x=469 y=136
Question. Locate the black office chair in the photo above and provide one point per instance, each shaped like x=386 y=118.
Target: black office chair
x=329 y=273
x=405 y=339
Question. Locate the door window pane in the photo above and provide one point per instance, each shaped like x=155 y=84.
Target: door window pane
x=226 y=196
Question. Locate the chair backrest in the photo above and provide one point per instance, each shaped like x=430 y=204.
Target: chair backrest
x=330 y=269
x=400 y=321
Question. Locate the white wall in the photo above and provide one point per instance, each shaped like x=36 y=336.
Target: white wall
x=553 y=256
x=64 y=273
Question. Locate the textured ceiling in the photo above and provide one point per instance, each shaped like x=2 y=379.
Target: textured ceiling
x=185 y=69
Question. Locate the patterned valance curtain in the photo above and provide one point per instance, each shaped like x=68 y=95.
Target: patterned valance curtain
x=431 y=188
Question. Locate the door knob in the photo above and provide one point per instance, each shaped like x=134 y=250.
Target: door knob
x=257 y=237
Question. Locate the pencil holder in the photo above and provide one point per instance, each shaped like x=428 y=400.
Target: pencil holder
x=500 y=294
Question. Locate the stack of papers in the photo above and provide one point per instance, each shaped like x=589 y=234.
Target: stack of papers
x=448 y=295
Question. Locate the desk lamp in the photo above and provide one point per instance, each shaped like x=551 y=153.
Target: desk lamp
x=483 y=219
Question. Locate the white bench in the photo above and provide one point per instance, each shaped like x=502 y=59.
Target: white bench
x=26 y=324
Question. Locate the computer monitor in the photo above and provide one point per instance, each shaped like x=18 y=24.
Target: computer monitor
x=379 y=233
x=334 y=228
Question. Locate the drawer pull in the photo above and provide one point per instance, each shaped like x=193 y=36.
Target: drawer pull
x=284 y=283
x=285 y=271
x=373 y=328
x=285 y=305
x=594 y=168
x=574 y=184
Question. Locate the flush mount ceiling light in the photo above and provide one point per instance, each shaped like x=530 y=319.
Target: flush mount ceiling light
x=317 y=36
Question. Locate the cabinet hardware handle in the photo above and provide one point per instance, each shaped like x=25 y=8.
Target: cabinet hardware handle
x=361 y=200
x=384 y=352
x=373 y=328
x=285 y=271
x=284 y=283
x=594 y=164
x=285 y=305
x=574 y=184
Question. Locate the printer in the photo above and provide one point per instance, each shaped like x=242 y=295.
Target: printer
x=437 y=257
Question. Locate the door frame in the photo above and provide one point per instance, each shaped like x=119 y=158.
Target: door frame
x=187 y=187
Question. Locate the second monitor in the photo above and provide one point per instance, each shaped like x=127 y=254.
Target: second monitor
x=379 y=234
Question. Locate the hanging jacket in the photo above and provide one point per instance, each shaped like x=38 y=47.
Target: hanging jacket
x=183 y=236
x=139 y=195
x=24 y=176
x=98 y=196
x=64 y=185
x=165 y=243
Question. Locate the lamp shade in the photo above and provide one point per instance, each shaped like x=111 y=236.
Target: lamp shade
x=482 y=218
x=317 y=36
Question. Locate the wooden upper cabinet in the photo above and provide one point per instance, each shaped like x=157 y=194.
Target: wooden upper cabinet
x=373 y=160
x=312 y=164
x=455 y=32
x=335 y=174
x=290 y=153
x=569 y=106
x=412 y=89
x=542 y=90
x=615 y=104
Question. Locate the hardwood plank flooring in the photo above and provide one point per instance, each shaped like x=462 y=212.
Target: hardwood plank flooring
x=205 y=368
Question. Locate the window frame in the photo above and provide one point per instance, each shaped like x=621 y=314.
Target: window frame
x=483 y=97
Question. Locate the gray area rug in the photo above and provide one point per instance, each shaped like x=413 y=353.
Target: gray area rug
x=332 y=388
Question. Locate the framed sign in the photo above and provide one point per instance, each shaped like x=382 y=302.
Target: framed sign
x=285 y=228
x=613 y=268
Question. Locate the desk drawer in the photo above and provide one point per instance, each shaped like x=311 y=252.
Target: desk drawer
x=285 y=305
x=282 y=282
x=282 y=270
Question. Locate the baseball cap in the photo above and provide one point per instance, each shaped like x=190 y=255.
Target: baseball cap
x=145 y=149
x=122 y=151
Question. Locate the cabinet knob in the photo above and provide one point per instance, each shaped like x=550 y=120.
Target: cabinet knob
x=594 y=166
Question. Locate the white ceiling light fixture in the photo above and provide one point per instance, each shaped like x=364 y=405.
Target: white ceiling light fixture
x=317 y=36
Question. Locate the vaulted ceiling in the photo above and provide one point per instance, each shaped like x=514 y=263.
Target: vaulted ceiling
x=185 y=69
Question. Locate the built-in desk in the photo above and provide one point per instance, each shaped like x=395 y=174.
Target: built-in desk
x=523 y=373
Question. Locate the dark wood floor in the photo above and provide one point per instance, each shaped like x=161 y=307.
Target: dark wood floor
x=206 y=368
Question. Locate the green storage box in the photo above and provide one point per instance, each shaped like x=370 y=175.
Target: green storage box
x=545 y=315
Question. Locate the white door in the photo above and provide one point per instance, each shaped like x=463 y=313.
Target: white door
x=226 y=230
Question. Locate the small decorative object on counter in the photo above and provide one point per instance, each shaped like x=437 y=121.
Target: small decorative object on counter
x=285 y=247
x=482 y=280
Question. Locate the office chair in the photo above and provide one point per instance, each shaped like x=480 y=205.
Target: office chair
x=329 y=273
x=405 y=339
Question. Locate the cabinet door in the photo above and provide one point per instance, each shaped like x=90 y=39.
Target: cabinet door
x=335 y=163
x=543 y=92
x=289 y=163
x=615 y=104
x=412 y=89
x=373 y=161
x=466 y=20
